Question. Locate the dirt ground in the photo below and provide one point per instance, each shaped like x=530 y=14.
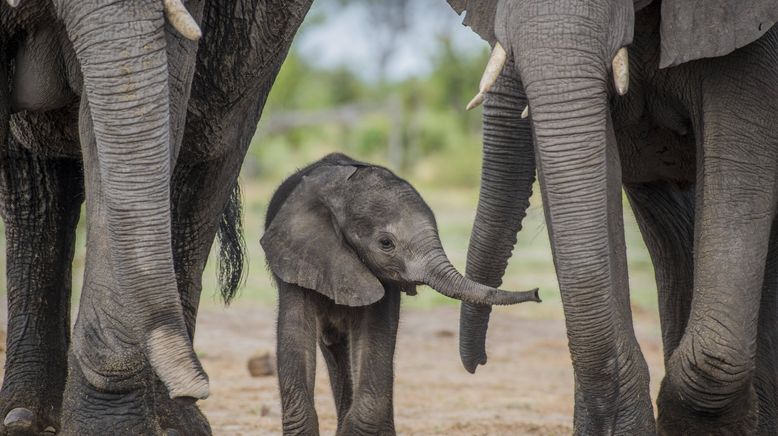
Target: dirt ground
x=526 y=388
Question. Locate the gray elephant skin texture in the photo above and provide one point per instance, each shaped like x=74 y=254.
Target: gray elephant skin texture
x=106 y=102
x=344 y=239
x=694 y=143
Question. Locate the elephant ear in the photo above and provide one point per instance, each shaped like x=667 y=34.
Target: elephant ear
x=304 y=245
x=480 y=16
x=709 y=28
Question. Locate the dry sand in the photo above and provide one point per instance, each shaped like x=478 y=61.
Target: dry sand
x=525 y=389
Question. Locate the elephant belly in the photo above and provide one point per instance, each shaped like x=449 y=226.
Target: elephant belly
x=40 y=81
x=651 y=153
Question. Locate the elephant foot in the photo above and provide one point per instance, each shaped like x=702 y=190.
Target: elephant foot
x=179 y=417
x=106 y=405
x=26 y=413
x=139 y=406
x=681 y=415
x=22 y=422
x=627 y=410
x=629 y=419
x=361 y=422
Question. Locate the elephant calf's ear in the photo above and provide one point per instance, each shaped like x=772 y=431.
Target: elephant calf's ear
x=304 y=246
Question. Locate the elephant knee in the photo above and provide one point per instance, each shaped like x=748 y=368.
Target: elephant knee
x=711 y=376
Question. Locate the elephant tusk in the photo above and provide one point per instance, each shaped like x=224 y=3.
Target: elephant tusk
x=493 y=68
x=476 y=101
x=621 y=71
x=180 y=19
x=13 y=3
x=525 y=112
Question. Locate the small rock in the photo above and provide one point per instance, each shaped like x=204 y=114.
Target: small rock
x=264 y=410
x=262 y=365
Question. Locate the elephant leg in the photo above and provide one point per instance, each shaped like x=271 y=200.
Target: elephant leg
x=296 y=354
x=41 y=200
x=709 y=384
x=373 y=341
x=766 y=379
x=334 y=347
x=665 y=215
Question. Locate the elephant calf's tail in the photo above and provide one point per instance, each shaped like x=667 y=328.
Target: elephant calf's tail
x=232 y=247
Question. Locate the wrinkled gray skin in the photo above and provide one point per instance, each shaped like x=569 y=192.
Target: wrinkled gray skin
x=695 y=146
x=343 y=240
x=108 y=103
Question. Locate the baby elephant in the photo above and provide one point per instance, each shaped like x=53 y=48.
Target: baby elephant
x=343 y=240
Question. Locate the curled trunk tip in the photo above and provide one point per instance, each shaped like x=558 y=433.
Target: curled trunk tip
x=515 y=297
x=172 y=358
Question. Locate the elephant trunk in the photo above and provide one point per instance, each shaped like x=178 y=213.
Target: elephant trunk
x=567 y=79
x=506 y=185
x=121 y=47
x=435 y=270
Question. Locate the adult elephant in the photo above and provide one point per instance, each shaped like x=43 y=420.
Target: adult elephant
x=694 y=142
x=162 y=125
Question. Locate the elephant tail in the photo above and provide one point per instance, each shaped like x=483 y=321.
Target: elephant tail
x=232 y=246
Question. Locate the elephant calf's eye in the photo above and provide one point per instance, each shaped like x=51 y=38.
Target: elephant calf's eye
x=386 y=244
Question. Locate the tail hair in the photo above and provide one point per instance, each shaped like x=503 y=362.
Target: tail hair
x=232 y=247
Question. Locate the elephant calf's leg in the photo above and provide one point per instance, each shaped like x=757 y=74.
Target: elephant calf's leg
x=296 y=353
x=41 y=204
x=372 y=349
x=335 y=349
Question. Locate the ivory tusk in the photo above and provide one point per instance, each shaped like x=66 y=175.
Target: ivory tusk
x=13 y=3
x=621 y=71
x=493 y=68
x=476 y=101
x=525 y=112
x=180 y=19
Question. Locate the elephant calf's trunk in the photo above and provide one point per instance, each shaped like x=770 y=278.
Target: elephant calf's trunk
x=444 y=278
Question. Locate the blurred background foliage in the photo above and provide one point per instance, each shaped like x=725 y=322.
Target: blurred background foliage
x=387 y=82
x=412 y=120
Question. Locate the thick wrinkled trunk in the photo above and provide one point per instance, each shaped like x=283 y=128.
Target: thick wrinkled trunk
x=121 y=47
x=434 y=269
x=566 y=83
x=506 y=186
